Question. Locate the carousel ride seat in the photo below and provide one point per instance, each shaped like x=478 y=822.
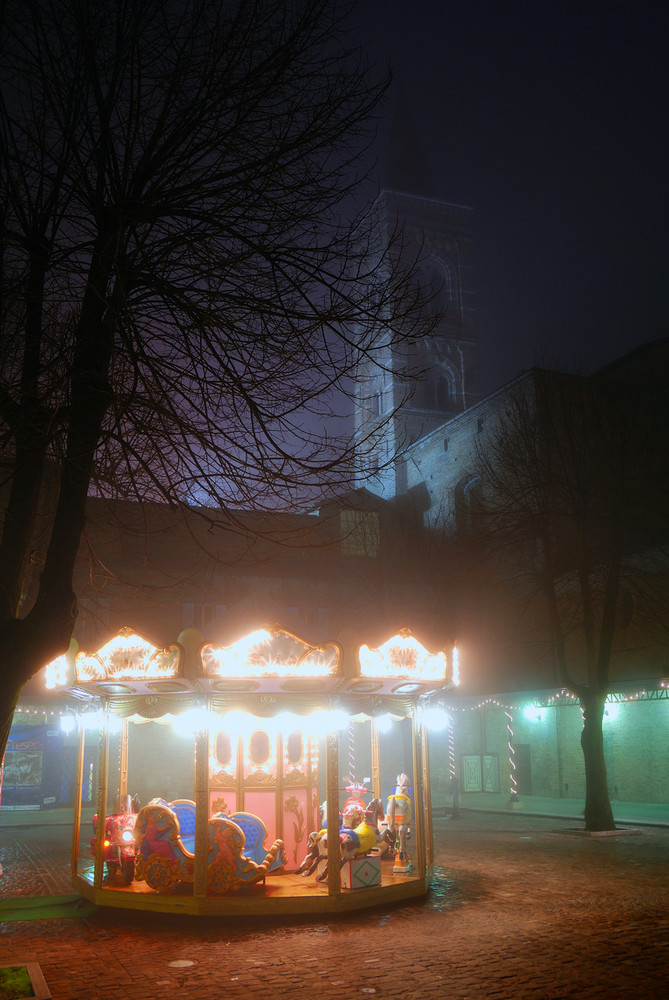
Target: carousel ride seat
x=165 y=851
x=255 y=834
x=185 y=810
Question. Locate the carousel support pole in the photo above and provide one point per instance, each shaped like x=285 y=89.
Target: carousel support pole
x=429 y=833
x=376 y=762
x=313 y=804
x=332 y=799
x=239 y=782
x=123 y=766
x=201 y=812
x=103 y=777
x=419 y=797
x=278 y=798
x=78 y=792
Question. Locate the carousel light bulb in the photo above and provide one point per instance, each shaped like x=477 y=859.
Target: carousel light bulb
x=236 y=723
x=435 y=719
x=114 y=724
x=194 y=720
x=91 y=720
x=383 y=723
x=67 y=723
x=337 y=720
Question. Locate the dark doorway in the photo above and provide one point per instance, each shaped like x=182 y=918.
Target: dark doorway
x=523 y=768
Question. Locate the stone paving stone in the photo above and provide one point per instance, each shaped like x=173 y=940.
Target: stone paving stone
x=521 y=909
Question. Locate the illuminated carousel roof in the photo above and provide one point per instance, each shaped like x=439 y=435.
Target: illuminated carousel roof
x=270 y=661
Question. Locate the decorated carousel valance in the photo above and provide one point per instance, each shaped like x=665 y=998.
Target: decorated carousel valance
x=271 y=659
x=402 y=667
x=258 y=673
x=127 y=664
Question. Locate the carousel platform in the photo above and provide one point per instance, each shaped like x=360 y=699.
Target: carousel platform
x=285 y=894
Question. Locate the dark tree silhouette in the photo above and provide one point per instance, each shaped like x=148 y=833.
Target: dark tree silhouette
x=188 y=279
x=574 y=495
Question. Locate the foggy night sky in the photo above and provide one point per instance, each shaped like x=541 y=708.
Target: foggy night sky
x=550 y=120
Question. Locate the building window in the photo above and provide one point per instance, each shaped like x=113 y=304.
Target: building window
x=468 y=503
x=314 y=617
x=359 y=533
x=200 y=615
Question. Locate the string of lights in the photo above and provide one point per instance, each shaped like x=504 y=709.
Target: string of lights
x=451 y=748
x=351 y=752
x=513 y=784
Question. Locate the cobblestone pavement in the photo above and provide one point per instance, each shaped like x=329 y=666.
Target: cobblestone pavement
x=522 y=907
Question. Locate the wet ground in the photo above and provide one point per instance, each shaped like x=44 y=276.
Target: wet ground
x=521 y=907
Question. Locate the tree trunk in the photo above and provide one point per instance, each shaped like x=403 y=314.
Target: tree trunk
x=10 y=689
x=598 y=812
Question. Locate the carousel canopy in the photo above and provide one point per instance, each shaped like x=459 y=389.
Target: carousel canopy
x=270 y=661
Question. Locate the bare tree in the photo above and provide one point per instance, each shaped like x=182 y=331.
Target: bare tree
x=188 y=279
x=574 y=484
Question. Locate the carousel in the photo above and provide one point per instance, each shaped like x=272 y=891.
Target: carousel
x=222 y=771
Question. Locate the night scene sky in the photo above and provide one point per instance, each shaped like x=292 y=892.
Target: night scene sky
x=549 y=120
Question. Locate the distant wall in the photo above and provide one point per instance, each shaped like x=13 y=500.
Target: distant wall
x=636 y=741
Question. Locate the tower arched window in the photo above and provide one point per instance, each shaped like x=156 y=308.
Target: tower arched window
x=468 y=504
x=436 y=279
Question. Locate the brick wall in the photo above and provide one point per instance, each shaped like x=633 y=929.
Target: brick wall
x=635 y=744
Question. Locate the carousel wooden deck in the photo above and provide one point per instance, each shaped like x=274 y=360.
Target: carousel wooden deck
x=287 y=893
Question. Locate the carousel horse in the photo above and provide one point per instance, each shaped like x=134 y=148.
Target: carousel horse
x=357 y=838
x=375 y=815
x=355 y=795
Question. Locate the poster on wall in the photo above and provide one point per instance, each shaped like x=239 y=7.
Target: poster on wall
x=32 y=776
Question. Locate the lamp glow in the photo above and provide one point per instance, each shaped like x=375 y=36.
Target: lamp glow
x=533 y=713
x=611 y=710
x=67 y=723
x=192 y=721
x=383 y=723
x=435 y=719
x=91 y=720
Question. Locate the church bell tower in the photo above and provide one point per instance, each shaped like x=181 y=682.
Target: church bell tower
x=405 y=398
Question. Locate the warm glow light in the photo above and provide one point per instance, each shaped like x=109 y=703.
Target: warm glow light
x=190 y=722
x=127 y=657
x=237 y=723
x=403 y=656
x=270 y=653
x=323 y=721
x=56 y=673
x=456 y=667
